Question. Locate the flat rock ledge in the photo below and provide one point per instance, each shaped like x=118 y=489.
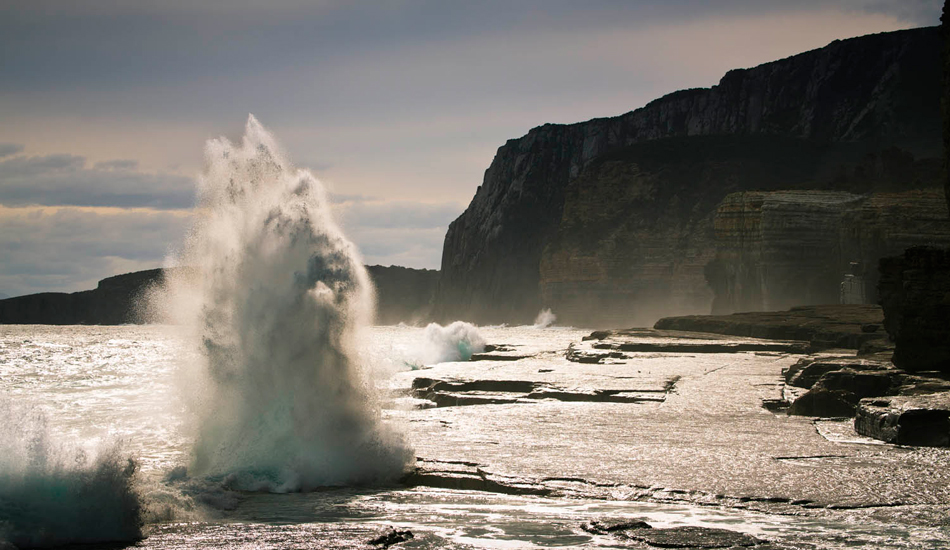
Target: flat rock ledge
x=603 y=345
x=887 y=403
x=460 y=393
x=922 y=420
x=823 y=327
x=686 y=537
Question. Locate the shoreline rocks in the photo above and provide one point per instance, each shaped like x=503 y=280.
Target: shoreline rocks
x=922 y=420
x=823 y=327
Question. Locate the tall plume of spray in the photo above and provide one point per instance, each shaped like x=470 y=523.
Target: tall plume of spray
x=275 y=297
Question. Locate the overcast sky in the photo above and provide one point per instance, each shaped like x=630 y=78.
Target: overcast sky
x=397 y=106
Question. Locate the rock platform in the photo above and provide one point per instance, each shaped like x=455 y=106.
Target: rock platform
x=823 y=327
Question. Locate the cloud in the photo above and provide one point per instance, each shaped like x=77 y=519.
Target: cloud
x=66 y=249
x=119 y=164
x=408 y=247
x=7 y=149
x=397 y=232
x=64 y=180
x=398 y=214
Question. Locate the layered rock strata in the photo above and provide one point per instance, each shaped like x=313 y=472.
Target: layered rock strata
x=823 y=327
x=906 y=420
x=775 y=250
x=915 y=295
x=603 y=220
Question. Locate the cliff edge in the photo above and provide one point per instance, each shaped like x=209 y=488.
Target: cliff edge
x=577 y=216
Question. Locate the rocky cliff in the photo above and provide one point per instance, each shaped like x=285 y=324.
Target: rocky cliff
x=776 y=250
x=915 y=294
x=402 y=294
x=914 y=287
x=113 y=302
x=819 y=115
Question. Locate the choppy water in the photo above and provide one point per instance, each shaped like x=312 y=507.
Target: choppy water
x=114 y=389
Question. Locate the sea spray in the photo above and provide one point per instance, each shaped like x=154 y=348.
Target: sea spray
x=455 y=342
x=545 y=318
x=52 y=494
x=275 y=297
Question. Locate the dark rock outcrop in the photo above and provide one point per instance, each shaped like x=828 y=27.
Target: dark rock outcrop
x=915 y=295
x=822 y=326
x=687 y=536
x=402 y=294
x=775 y=250
x=838 y=392
x=876 y=393
x=808 y=371
x=113 y=302
x=610 y=221
x=460 y=393
x=945 y=96
x=906 y=420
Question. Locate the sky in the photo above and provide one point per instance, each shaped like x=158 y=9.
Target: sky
x=396 y=106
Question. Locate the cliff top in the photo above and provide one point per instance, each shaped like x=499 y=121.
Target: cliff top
x=856 y=43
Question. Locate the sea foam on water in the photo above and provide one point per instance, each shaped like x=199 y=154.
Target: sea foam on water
x=454 y=342
x=52 y=493
x=274 y=298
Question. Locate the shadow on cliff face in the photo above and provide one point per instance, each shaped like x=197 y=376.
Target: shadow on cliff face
x=610 y=221
x=758 y=222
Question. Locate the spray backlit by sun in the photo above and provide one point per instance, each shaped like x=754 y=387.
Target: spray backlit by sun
x=275 y=298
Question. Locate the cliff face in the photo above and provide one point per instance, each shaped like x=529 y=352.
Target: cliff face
x=915 y=294
x=112 y=302
x=402 y=294
x=838 y=103
x=776 y=250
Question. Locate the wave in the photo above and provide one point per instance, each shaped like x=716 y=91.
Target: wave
x=455 y=342
x=276 y=297
x=52 y=495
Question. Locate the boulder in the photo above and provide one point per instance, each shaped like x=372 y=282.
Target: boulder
x=906 y=420
x=824 y=403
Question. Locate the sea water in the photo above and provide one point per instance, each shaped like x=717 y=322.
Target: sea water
x=109 y=394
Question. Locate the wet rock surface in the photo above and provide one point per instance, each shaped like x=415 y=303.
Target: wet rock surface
x=823 y=327
x=674 y=537
x=709 y=440
x=604 y=345
x=906 y=420
x=836 y=385
x=391 y=537
x=457 y=393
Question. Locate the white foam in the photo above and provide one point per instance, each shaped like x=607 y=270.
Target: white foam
x=53 y=494
x=455 y=342
x=275 y=300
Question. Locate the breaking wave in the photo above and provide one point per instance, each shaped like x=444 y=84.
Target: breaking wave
x=544 y=319
x=275 y=298
x=455 y=342
x=51 y=495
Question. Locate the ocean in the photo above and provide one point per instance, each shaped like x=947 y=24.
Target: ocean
x=527 y=472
